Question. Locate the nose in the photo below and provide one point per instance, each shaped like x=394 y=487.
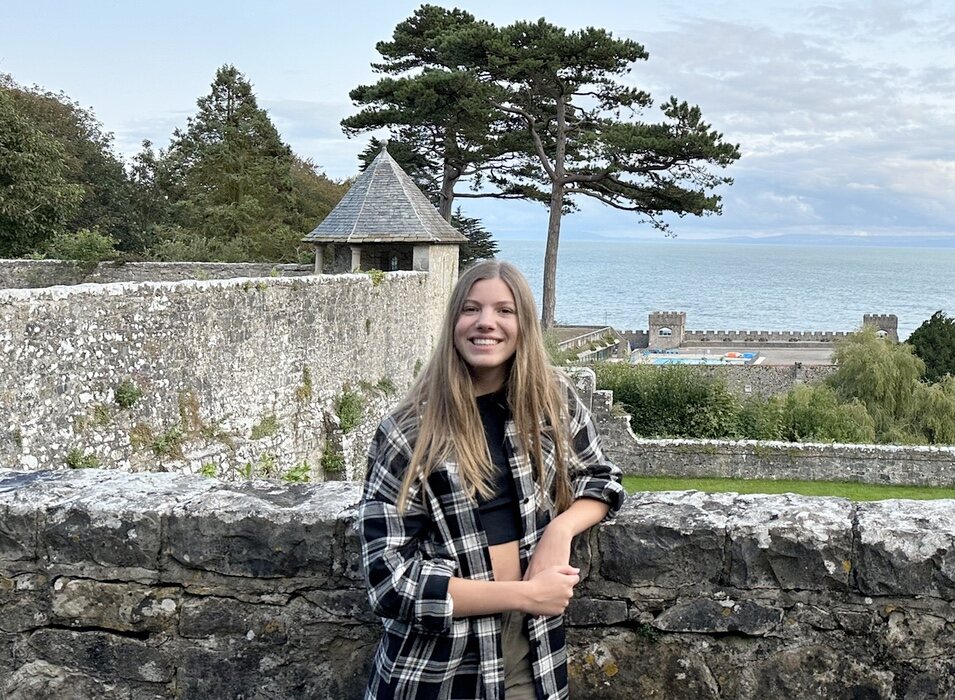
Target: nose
x=486 y=318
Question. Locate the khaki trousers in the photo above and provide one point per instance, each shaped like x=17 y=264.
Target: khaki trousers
x=518 y=675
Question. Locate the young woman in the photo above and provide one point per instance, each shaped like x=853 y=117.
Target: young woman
x=476 y=485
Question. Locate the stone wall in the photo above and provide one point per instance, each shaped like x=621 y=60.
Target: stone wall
x=911 y=465
x=763 y=380
x=31 y=274
x=117 y=585
x=233 y=378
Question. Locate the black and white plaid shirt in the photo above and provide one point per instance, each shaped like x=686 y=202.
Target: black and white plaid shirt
x=409 y=558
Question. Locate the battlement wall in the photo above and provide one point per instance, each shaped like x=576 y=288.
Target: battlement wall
x=117 y=585
x=783 y=338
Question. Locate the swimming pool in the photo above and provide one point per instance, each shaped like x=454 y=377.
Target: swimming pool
x=670 y=358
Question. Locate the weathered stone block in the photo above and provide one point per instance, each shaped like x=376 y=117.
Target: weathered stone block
x=806 y=671
x=209 y=616
x=20 y=495
x=39 y=680
x=624 y=665
x=106 y=524
x=257 y=530
x=7 y=661
x=24 y=602
x=347 y=566
x=905 y=550
x=672 y=539
x=345 y=605
x=593 y=611
x=125 y=607
x=346 y=650
x=909 y=635
x=718 y=616
x=106 y=655
x=790 y=542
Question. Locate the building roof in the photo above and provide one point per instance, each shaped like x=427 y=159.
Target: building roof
x=383 y=205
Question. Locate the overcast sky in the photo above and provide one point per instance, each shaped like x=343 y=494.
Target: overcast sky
x=844 y=111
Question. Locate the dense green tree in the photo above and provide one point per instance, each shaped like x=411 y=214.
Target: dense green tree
x=228 y=174
x=564 y=88
x=88 y=160
x=936 y=411
x=149 y=207
x=236 y=190
x=313 y=194
x=36 y=197
x=443 y=124
x=480 y=244
x=934 y=342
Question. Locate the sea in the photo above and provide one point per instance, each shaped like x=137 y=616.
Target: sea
x=740 y=286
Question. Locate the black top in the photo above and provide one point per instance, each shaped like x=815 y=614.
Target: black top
x=500 y=516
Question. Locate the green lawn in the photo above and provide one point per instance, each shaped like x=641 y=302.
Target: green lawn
x=853 y=491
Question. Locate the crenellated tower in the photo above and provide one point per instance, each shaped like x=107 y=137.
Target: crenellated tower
x=667 y=329
x=885 y=325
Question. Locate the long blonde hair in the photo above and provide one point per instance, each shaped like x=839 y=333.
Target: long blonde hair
x=442 y=401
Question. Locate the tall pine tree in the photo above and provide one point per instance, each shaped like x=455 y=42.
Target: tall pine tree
x=228 y=175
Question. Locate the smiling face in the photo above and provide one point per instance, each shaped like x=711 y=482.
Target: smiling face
x=485 y=334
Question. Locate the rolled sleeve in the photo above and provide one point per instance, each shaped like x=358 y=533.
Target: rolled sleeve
x=434 y=608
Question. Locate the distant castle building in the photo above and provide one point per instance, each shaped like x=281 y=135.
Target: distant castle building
x=667 y=331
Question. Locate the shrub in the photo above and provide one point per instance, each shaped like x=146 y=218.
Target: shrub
x=349 y=408
x=267 y=427
x=814 y=413
x=671 y=401
x=557 y=356
x=333 y=462
x=761 y=419
x=77 y=459
x=299 y=474
x=87 y=245
x=127 y=394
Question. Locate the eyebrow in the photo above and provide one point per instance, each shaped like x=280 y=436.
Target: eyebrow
x=469 y=300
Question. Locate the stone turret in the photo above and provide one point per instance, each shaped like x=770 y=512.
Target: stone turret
x=667 y=329
x=384 y=222
x=886 y=325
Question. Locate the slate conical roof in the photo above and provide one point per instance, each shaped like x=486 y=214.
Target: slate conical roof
x=383 y=205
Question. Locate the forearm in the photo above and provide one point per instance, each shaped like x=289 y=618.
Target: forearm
x=487 y=597
x=548 y=593
x=582 y=515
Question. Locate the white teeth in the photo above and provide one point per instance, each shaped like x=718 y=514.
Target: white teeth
x=484 y=341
